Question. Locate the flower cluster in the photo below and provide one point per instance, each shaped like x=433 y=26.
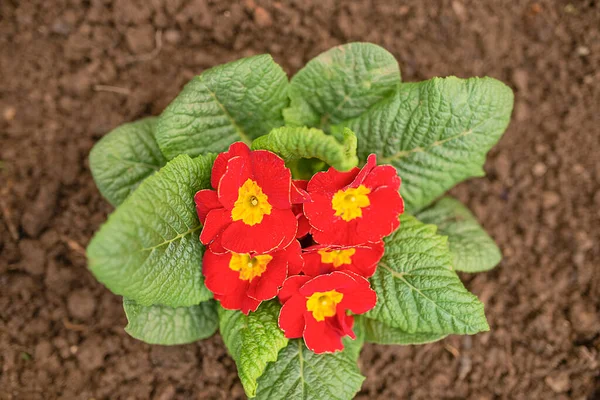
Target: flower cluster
x=312 y=244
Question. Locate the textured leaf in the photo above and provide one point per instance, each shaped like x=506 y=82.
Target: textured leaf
x=378 y=332
x=295 y=143
x=473 y=249
x=340 y=84
x=169 y=326
x=253 y=340
x=301 y=374
x=237 y=101
x=436 y=133
x=125 y=157
x=417 y=289
x=148 y=250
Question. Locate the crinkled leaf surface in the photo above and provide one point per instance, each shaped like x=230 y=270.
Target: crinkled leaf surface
x=237 y=101
x=379 y=332
x=169 y=326
x=293 y=143
x=417 y=289
x=253 y=340
x=436 y=133
x=341 y=84
x=149 y=250
x=125 y=157
x=473 y=249
x=299 y=373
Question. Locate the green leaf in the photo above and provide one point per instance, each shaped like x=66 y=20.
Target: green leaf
x=169 y=326
x=253 y=340
x=417 y=289
x=125 y=157
x=340 y=84
x=293 y=143
x=301 y=374
x=436 y=133
x=241 y=100
x=378 y=332
x=149 y=250
x=473 y=249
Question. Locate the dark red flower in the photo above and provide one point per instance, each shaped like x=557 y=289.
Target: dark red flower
x=251 y=210
x=316 y=308
x=361 y=259
x=354 y=207
x=299 y=197
x=242 y=281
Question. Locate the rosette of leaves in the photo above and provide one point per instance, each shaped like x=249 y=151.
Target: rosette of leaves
x=343 y=105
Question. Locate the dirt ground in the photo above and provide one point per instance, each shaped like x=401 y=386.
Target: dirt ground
x=71 y=70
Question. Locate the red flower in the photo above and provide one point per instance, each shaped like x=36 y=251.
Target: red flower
x=251 y=209
x=316 y=308
x=299 y=197
x=361 y=259
x=242 y=281
x=354 y=207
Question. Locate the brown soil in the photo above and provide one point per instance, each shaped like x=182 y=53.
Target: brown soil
x=71 y=70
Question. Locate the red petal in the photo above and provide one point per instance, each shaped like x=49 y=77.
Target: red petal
x=237 y=173
x=291 y=287
x=249 y=304
x=364 y=171
x=320 y=337
x=276 y=230
x=216 y=221
x=293 y=254
x=364 y=260
x=238 y=301
x=221 y=279
x=206 y=200
x=383 y=175
x=273 y=177
x=381 y=217
x=220 y=165
x=267 y=285
x=323 y=283
x=359 y=298
x=345 y=321
x=303 y=226
x=331 y=181
x=291 y=317
x=299 y=193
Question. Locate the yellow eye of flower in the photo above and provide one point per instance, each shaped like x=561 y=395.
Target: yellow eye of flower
x=251 y=205
x=337 y=257
x=249 y=267
x=323 y=304
x=349 y=203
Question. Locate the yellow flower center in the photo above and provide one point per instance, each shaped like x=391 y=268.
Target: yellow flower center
x=349 y=203
x=249 y=267
x=251 y=205
x=323 y=304
x=337 y=257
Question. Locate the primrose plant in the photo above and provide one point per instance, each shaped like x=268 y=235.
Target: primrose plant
x=274 y=212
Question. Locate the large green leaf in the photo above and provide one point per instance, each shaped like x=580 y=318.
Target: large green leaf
x=125 y=157
x=436 y=133
x=293 y=143
x=149 y=250
x=473 y=249
x=378 y=332
x=340 y=84
x=303 y=375
x=417 y=289
x=169 y=326
x=252 y=340
x=237 y=101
